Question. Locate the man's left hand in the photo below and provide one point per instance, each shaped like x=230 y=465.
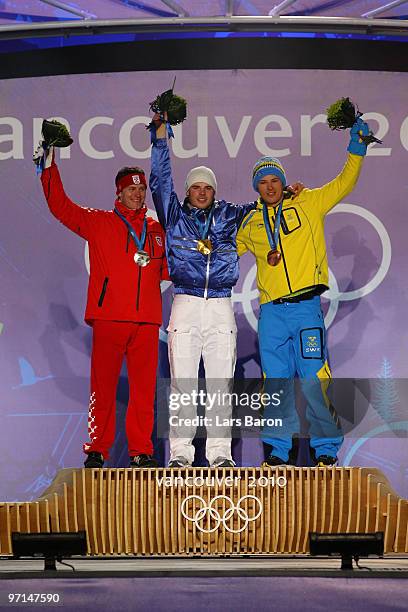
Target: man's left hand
x=296 y=188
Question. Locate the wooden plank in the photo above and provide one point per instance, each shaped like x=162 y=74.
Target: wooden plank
x=35 y=517
x=292 y=507
x=327 y=476
x=15 y=517
x=135 y=513
x=100 y=511
x=142 y=510
x=275 y=518
x=371 y=504
x=401 y=535
x=91 y=497
x=381 y=506
x=307 y=516
x=45 y=526
x=150 y=510
x=158 y=517
x=176 y=536
x=300 y=509
x=25 y=518
x=361 y=491
x=9 y=546
x=117 y=511
x=391 y=523
x=55 y=518
x=84 y=479
x=283 y=509
x=74 y=512
x=64 y=508
x=342 y=521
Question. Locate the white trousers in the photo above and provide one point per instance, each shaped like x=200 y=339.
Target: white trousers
x=201 y=327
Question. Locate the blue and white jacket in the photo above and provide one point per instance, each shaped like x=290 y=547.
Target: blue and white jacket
x=208 y=276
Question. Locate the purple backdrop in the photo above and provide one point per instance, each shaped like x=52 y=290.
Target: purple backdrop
x=234 y=117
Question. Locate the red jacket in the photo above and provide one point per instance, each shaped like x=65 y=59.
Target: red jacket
x=119 y=289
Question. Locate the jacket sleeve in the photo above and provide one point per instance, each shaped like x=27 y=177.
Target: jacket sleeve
x=242 y=210
x=164 y=271
x=242 y=241
x=76 y=218
x=165 y=199
x=326 y=197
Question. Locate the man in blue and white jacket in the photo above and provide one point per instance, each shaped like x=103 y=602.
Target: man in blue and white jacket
x=203 y=264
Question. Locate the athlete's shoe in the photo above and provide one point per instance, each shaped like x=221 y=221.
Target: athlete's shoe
x=326 y=461
x=273 y=461
x=143 y=461
x=94 y=460
x=179 y=462
x=222 y=462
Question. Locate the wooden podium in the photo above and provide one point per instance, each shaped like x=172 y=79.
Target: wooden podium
x=211 y=512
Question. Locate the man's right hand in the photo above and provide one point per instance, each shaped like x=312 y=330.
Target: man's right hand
x=160 y=125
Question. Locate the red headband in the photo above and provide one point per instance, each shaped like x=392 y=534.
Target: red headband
x=130 y=179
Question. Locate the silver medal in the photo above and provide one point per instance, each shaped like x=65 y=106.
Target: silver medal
x=142 y=258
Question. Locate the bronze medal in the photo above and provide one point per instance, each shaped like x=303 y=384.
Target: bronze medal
x=204 y=246
x=274 y=257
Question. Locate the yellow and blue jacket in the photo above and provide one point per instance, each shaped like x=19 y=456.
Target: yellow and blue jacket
x=303 y=266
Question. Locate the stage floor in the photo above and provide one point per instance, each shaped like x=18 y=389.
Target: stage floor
x=392 y=566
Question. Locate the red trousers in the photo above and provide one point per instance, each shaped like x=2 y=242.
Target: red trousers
x=111 y=342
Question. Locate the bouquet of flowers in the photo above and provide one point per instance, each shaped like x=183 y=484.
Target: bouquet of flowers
x=343 y=114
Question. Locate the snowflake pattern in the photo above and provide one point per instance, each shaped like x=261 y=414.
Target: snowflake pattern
x=91 y=418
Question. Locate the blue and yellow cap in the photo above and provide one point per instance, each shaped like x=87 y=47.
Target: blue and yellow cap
x=265 y=166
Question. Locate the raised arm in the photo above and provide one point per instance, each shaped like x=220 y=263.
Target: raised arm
x=327 y=196
x=161 y=181
x=76 y=218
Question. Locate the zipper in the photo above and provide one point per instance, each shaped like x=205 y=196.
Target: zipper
x=284 y=264
x=102 y=296
x=207 y=276
x=139 y=270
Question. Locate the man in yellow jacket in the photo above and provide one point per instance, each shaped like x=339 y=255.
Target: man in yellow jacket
x=287 y=238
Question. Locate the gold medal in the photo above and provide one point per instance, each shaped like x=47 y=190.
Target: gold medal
x=274 y=257
x=204 y=246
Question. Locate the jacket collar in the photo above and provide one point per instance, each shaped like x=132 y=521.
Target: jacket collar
x=131 y=215
x=197 y=212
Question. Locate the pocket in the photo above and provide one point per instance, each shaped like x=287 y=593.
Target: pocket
x=312 y=343
x=103 y=292
x=180 y=343
x=227 y=341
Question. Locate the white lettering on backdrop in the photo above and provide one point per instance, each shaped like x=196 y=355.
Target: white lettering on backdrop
x=133 y=140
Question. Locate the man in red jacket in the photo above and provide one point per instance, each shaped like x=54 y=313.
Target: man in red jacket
x=127 y=263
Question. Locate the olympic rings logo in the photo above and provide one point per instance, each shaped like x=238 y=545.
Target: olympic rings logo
x=210 y=512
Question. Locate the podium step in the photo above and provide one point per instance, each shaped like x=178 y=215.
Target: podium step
x=211 y=512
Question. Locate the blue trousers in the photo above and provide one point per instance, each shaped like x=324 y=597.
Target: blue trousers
x=292 y=342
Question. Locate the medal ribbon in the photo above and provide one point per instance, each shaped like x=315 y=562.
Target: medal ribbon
x=272 y=238
x=40 y=161
x=204 y=228
x=139 y=242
